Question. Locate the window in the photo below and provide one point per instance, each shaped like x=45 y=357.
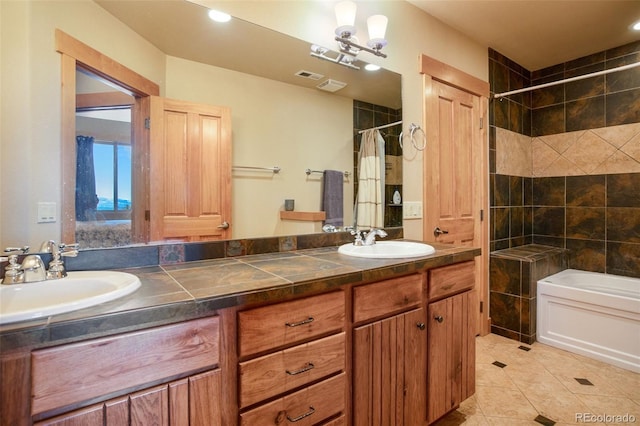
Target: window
x=112 y=162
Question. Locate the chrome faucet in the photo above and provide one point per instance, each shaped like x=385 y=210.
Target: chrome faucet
x=32 y=268
x=370 y=237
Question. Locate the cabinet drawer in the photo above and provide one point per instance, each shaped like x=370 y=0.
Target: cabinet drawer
x=452 y=279
x=82 y=371
x=273 y=374
x=386 y=297
x=272 y=326
x=305 y=407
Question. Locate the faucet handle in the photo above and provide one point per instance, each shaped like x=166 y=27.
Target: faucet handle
x=69 y=250
x=17 y=250
x=358 y=234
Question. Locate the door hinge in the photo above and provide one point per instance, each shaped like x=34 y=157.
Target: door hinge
x=481 y=122
x=147 y=215
x=147 y=123
x=481 y=215
x=481 y=306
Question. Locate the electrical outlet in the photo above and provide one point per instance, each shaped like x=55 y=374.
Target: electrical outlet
x=46 y=212
x=412 y=210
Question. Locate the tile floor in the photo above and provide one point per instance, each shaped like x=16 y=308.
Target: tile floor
x=540 y=386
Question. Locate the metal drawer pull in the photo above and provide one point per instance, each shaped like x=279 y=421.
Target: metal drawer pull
x=307 y=367
x=438 y=318
x=295 y=324
x=302 y=416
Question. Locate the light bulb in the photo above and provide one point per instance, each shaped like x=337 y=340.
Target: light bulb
x=346 y=17
x=218 y=16
x=377 y=25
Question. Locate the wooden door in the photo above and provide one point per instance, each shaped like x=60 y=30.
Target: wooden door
x=456 y=179
x=453 y=174
x=389 y=379
x=451 y=354
x=190 y=174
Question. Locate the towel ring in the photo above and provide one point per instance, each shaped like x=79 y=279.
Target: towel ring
x=413 y=128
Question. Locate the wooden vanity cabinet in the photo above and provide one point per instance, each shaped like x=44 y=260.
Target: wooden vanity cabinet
x=389 y=356
x=292 y=362
x=66 y=377
x=189 y=401
x=452 y=331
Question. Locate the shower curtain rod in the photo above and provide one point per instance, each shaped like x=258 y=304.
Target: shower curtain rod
x=380 y=127
x=566 y=80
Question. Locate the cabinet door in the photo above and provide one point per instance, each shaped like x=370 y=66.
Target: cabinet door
x=149 y=407
x=190 y=401
x=451 y=354
x=204 y=399
x=389 y=371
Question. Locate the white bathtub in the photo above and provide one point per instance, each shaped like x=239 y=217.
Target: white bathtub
x=592 y=314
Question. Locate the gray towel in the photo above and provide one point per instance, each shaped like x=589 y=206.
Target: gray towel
x=332 y=197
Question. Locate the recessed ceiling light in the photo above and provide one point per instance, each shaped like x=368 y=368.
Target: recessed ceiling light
x=636 y=26
x=218 y=16
x=371 y=67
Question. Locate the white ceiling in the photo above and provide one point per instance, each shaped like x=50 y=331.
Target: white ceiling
x=540 y=33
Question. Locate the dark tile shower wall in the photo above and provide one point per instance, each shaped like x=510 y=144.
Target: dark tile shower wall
x=366 y=116
x=600 y=101
x=539 y=213
x=593 y=220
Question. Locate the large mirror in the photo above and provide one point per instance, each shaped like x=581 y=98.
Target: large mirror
x=279 y=116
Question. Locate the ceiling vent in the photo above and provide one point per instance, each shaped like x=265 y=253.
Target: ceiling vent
x=309 y=74
x=331 y=85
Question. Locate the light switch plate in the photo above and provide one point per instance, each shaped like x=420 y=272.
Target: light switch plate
x=412 y=210
x=46 y=212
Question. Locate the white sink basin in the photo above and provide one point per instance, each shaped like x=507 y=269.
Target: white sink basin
x=80 y=289
x=387 y=250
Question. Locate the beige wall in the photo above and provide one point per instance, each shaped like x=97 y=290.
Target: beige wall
x=30 y=101
x=277 y=125
x=411 y=32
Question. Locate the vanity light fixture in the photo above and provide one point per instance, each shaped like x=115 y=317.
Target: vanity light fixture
x=347 y=41
x=376 y=24
x=218 y=16
x=341 y=58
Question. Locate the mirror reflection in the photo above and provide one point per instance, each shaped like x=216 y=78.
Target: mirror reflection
x=279 y=117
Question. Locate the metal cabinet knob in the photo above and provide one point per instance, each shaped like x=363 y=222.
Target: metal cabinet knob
x=438 y=318
x=421 y=325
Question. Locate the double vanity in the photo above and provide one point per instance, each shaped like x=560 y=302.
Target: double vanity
x=312 y=336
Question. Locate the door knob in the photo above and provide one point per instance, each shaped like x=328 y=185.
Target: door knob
x=437 y=232
x=224 y=225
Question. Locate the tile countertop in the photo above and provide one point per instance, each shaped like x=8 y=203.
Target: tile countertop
x=175 y=293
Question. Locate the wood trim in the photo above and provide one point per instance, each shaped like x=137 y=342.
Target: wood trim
x=104 y=99
x=453 y=76
x=308 y=216
x=104 y=66
x=77 y=54
x=68 y=149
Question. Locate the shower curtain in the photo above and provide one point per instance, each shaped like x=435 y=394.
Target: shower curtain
x=369 y=207
x=86 y=197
